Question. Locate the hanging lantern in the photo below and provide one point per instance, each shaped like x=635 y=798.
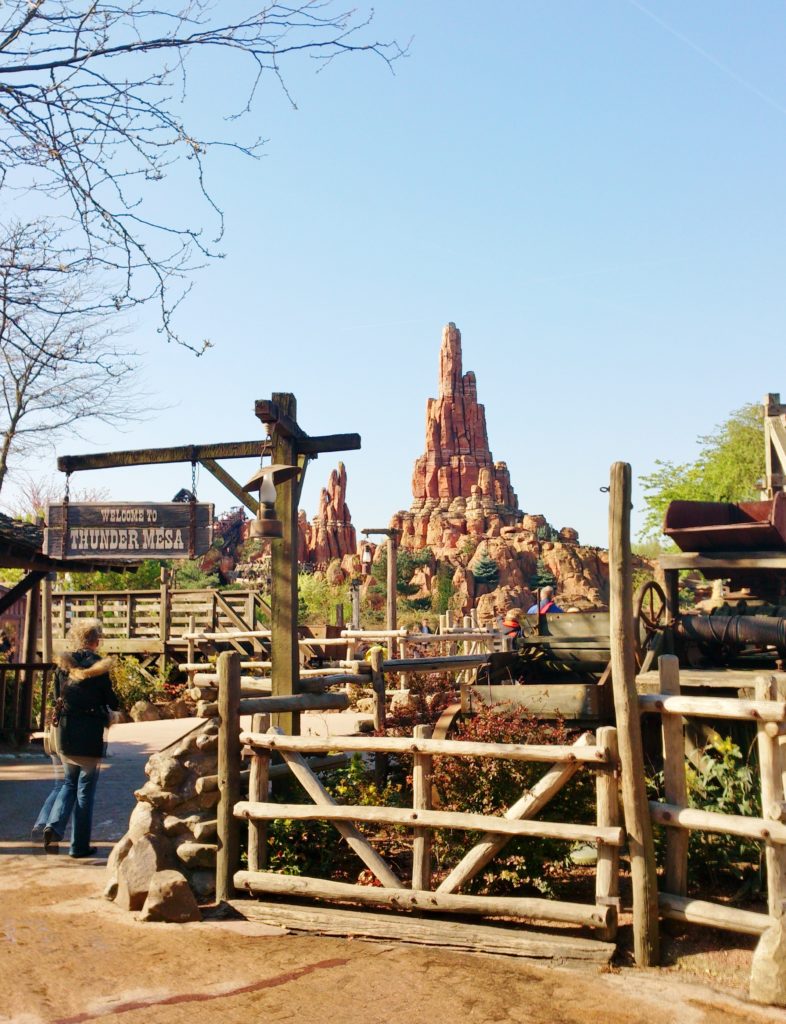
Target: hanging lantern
x=264 y=481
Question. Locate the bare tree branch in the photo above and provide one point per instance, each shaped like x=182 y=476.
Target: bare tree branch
x=90 y=116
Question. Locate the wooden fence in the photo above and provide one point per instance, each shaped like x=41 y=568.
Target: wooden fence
x=24 y=690
x=561 y=763
x=769 y=716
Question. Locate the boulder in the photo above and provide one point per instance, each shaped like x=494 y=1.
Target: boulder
x=148 y=855
x=145 y=711
x=170 y=898
x=197 y=855
x=118 y=853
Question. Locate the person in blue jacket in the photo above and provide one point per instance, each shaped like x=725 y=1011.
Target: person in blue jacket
x=547 y=603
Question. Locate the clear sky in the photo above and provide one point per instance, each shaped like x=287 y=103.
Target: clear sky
x=592 y=191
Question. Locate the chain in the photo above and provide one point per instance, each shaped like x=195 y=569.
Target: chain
x=67 y=495
x=193 y=480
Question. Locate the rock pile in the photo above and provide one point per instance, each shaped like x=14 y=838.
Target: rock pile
x=170 y=845
x=330 y=535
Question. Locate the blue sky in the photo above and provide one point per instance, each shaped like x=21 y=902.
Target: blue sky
x=592 y=191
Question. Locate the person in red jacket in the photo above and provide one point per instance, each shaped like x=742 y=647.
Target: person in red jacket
x=547 y=603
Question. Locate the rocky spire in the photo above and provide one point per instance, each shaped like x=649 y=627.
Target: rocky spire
x=331 y=533
x=457 y=462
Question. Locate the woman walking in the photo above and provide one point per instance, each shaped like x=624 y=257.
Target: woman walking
x=81 y=716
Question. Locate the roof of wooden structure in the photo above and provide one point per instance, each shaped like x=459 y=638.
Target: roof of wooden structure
x=20 y=548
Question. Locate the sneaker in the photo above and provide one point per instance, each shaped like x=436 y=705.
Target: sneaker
x=91 y=851
x=51 y=840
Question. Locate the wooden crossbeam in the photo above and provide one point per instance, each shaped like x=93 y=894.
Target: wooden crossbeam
x=156 y=456
x=231 y=484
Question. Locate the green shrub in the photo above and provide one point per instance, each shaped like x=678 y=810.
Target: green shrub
x=132 y=682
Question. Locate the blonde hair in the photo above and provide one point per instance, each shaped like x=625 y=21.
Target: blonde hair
x=84 y=632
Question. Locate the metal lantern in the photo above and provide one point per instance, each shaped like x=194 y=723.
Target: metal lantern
x=264 y=481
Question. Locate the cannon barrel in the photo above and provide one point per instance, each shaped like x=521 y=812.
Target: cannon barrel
x=734 y=629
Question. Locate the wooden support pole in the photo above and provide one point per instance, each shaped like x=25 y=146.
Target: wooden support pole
x=623 y=673
x=258 y=783
x=380 y=714
x=24 y=724
x=165 y=613
x=607 y=871
x=228 y=857
x=46 y=642
x=392 y=588
x=421 y=801
x=284 y=647
x=674 y=779
x=771 y=793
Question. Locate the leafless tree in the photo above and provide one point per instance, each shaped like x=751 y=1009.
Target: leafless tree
x=92 y=111
x=61 y=366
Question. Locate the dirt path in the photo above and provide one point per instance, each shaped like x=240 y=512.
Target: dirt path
x=69 y=956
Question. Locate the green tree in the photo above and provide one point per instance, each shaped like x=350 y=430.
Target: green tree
x=486 y=571
x=730 y=467
x=542 y=577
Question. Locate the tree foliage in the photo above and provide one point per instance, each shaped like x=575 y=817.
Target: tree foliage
x=729 y=467
x=94 y=116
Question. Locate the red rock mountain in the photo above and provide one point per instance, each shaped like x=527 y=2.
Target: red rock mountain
x=331 y=533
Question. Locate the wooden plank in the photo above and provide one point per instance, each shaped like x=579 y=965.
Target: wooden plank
x=714 y=679
x=713 y=915
x=283 y=705
x=576 y=753
x=557 y=949
x=228 y=858
x=768 y=749
x=258 y=785
x=724 y=560
x=527 y=806
x=623 y=672
x=590 y=833
x=527 y=908
x=19 y=590
x=575 y=701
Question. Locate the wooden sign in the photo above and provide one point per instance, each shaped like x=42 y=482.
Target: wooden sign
x=128 y=532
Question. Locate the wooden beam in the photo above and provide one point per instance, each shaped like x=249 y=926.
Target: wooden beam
x=157 y=456
x=713 y=915
x=228 y=858
x=20 y=589
x=323 y=443
x=724 y=560
x=623 y=673
x=284 y=602
x=231 y=484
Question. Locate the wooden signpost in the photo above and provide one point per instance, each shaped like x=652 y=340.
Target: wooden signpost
x=128 y=531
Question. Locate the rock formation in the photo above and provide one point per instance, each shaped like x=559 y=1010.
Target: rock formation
x=330 y=534
x=456 y=476
x=465 y=510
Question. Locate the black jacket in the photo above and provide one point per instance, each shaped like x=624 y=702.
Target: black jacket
x=87 y=695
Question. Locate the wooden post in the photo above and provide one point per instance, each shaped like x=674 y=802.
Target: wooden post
x=228 y=859
x=340 y=614
x=675 y=781
x=771 y=793
x=421 y=800
x=355 y=595
x=164 y=614
x=392 y=588
x=283 y=590
x=623 y=674
x=607 y=872
x=24 y=722
x=403 y=678
x=380 y=714
x=258 y=792
x=46 y=641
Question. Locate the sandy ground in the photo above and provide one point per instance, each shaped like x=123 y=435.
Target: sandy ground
x=68 y=956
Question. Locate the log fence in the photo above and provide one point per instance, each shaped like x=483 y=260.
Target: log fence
x=679 y=819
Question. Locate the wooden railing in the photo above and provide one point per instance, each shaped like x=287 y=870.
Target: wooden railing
x=24 y=690
x=769 y=716
x=142 y=619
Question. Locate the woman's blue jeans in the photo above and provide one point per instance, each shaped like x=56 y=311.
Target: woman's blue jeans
x=46 y=809
x=76 y=795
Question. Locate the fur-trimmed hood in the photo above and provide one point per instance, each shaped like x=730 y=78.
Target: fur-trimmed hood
x=77 y=673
